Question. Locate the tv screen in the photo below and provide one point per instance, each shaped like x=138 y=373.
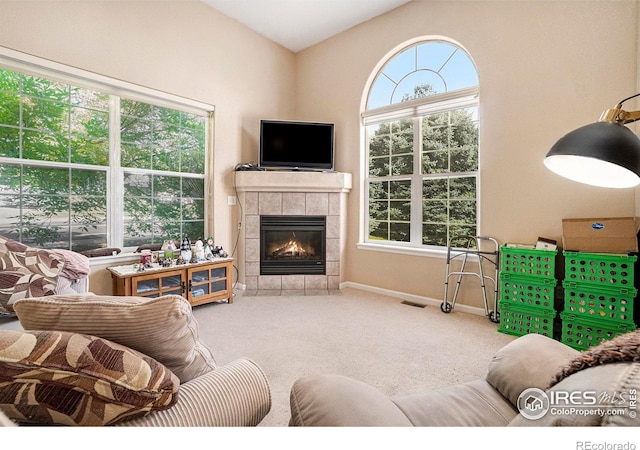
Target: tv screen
x=296 y=145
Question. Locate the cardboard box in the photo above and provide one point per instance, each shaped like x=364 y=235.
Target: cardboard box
x=601 y=235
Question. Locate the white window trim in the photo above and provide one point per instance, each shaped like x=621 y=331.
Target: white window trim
x=34 y=65
x=448 y=101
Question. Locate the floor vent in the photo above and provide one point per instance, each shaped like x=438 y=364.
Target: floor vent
x=417 y=305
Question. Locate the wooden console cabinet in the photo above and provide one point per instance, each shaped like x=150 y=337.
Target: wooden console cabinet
x=204 y=282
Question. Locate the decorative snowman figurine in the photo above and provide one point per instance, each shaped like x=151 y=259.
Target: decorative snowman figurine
x=185 y=250
x=199 y=250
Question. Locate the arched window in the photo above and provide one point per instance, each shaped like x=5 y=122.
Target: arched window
x=421 y=122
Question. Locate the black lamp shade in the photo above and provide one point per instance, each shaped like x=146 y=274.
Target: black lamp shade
x=603 y=154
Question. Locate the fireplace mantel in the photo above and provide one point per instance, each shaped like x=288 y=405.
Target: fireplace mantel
x=292 y=193
x=292 y=181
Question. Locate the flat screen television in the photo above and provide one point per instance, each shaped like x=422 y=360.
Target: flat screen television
x=296 y=145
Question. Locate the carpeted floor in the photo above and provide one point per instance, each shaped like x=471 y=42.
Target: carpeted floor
x=398 y=348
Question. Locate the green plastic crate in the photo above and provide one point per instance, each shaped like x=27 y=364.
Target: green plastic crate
x=520 y=320
x=528 y=262
x=599 y=303
x=583 y=333
x=602 y=270
x=527 y=291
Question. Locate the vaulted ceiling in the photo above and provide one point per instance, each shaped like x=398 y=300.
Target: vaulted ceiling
x=298 y=24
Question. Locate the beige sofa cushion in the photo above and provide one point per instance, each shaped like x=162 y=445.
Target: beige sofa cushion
x=530 y=361
x=163 y=328
x=328 y=400
x=56 y=377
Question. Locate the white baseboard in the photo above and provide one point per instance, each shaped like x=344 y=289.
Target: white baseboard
x=418 y=299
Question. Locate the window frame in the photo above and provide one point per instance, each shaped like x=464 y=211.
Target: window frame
x=413 y=109
x=32 y=65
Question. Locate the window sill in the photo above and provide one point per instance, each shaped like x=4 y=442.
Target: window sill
x=114 y=259
x=413 y=251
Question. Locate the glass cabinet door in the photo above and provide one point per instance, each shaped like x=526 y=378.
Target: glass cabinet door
x=143 y=287
x=172 y=284
x=208 y=283
x=218 y=272
x=199 y=276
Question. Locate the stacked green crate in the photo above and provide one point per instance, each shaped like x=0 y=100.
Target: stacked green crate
x=599 y=295
x=527 y=290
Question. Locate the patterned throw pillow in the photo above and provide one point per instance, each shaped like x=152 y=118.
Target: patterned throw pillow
x=54 y=377
x=14 y=255
x=16 y=284
x=163 y=328
x=33 y=272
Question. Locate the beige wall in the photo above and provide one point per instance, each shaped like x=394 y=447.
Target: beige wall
x=545 y=68
x=183 y=48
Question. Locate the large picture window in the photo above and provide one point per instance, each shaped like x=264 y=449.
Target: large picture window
x=422 y=148
x=84 y=168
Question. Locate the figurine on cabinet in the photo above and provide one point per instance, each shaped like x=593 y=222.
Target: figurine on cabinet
x=185 y=250
x=198 y=254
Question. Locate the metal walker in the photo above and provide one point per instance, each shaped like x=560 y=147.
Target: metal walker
x=490 y=251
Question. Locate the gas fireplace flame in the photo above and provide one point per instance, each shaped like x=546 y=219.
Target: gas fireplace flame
x=291 y=248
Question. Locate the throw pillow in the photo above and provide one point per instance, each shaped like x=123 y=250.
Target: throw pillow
x=76 y=265
x=56 y=377
x=17 y=284
x=14 y=255
x=97 y=252
x=163 y=328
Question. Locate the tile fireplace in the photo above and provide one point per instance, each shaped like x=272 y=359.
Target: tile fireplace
x=314 y=199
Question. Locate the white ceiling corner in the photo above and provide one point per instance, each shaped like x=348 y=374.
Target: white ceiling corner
x=298 y=24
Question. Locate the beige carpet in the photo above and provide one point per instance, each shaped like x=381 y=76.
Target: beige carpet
x=398 y=348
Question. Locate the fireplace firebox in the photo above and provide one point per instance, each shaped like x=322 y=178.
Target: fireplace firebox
x=291 y=245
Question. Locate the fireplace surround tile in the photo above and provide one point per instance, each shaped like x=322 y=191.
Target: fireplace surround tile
x=270 y=203
x=333 y=268
x=252 y=226
x=333 y=249
x=270 y=282
x=334 y=204
x=293 y=282
x=252 y=250
x=252 y=268
x=333 y=227
x=317 y=204
x=315 y=282
x=250 y=203
x=293 y=203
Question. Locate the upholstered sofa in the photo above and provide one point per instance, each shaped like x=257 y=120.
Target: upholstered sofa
x=560 y=386
x=127 y=361
x=35 y=272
